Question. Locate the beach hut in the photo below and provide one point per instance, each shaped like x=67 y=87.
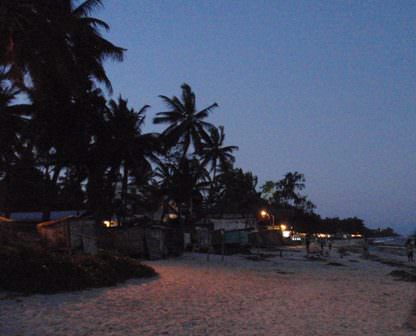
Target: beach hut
x=70 y=234
x=155 y=240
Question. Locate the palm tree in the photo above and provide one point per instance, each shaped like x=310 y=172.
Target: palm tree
x=186 y=125
x=10 y=126
x=131 y=150
x=12 y=129
x=51 y=40
x=220 y=157
x=182 y=182
x=216 y=153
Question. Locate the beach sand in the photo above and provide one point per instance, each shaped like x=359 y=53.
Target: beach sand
x=291 y=295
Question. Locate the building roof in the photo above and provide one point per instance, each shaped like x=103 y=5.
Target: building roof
x=5 y=219
x=54 y=222
x=37 y=216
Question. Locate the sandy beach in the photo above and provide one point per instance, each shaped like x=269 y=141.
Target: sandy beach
x=289 y=295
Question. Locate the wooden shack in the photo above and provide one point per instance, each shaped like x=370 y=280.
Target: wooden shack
x=70 y=233
x=155 y=240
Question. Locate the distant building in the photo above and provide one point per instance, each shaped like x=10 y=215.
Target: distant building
x=37 y=216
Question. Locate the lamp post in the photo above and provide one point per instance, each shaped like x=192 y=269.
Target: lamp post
x=264 y=214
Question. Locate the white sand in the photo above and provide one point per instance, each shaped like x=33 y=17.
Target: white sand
x=282 y=296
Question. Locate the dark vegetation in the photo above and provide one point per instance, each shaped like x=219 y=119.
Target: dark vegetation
x=28 y=270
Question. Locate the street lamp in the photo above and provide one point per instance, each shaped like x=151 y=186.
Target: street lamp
x=266 y=214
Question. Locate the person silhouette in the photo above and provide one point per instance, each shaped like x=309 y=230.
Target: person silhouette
x=409 y=250
x=308 y=244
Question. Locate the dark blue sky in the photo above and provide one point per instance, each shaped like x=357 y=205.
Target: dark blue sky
x=326 y=88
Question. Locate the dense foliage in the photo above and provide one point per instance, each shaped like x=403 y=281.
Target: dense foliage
x=34 y=270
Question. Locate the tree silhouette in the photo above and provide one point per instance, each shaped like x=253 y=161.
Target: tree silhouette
x=186 y=125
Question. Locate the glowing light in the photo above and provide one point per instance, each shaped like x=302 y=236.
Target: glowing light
x=286 y=234
x=263 y=213
x=110 y=223
x=323 y=235
x=172 y=216
x=283 y=227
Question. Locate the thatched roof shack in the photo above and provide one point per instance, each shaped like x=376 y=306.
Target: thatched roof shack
x=12 y=231
x=5 y=229
x=69 y=233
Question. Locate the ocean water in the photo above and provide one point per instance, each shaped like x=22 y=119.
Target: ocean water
x=395 y=241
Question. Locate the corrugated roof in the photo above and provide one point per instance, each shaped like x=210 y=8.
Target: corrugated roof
x=37 y=216
x=53 y=222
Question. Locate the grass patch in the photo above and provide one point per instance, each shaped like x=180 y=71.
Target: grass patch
x=35 y=270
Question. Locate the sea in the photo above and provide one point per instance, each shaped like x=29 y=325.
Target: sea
x=393 y=241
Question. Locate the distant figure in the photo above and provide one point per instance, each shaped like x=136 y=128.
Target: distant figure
x=409 y=250
x=329 y=247
x=322 y=246
x=365 y=248
x=308 y=244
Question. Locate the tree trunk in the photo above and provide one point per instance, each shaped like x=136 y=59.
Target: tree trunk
x=5 y=202
x=95 y=191
x=124 y=187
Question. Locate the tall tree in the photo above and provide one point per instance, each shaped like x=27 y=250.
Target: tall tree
x=219 y=156
x=215 y=152
x=184 y=182
x=54 y=50
x=54 y=39
x=237 y=193
x=13 y=137
x=186 y=125
x=131 y=150
x=286 y=193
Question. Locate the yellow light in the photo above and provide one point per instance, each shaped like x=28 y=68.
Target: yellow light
x=263 y=213
x=110 y=223
x=283 y=227
x=172 y=216
x=286 y=234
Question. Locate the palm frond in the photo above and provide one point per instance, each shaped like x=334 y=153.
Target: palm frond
x=87 y=7
x=205 y=112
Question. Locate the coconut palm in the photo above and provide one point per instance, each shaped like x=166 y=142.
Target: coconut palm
x=131 y=150
x=12 y=135
x=53 y=40
x=186 y=125
x=182 y=181
x=12 y=124
x=214 y=151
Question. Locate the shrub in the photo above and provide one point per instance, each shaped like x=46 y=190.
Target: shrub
x=36 y=270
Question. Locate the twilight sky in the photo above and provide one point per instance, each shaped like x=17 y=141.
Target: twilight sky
x=327 y=88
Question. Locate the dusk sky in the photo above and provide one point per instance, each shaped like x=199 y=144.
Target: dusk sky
x=325 y=88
